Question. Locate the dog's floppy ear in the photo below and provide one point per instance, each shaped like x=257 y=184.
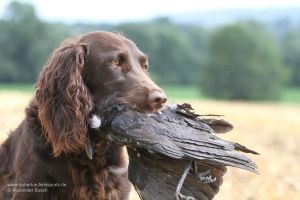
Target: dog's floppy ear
x=63 y=100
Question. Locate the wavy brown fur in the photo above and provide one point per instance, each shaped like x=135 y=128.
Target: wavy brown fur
x=64 y=118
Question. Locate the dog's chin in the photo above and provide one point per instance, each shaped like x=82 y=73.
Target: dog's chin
x=139 y=106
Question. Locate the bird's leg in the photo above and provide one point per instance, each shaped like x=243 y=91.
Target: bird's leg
x=194 y=167
x=178 y=195
x=205 y=177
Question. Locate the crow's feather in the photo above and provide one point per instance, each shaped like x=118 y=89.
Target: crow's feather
x=160 y=145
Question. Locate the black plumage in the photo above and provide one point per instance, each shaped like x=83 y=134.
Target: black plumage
x=162 y=145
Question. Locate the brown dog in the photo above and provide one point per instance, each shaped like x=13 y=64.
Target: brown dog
x=44 y=158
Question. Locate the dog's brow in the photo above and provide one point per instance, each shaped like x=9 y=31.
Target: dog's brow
x=143 y=58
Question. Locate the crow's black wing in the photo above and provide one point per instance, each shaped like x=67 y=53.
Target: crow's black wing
x=175 y=136
x=143 y=131
x=160 y=145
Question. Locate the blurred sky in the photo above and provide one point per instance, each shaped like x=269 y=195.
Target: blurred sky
x=114 y=11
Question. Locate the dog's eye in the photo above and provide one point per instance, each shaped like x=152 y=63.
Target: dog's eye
x=145 y=66
x=115 y=62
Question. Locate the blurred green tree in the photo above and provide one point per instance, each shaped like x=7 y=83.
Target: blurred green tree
x=26 y=42
x=173 y=59
x=243 y=62
x=291 y=54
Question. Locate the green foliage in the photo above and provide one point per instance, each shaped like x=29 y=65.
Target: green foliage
x=291 y=54
x=173 y=59
x=243 y=62
x=174 y=51
x=26 y=43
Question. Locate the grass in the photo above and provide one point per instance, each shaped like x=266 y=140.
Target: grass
x=16 y=87
x=289 y=95
x=182 y=92
x=272 y=129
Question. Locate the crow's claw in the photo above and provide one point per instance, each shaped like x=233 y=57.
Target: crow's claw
x=205 y=177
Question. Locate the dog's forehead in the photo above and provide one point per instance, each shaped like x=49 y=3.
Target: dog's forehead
x=109 y=41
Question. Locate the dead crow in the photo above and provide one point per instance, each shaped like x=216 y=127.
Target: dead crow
x=174 y=153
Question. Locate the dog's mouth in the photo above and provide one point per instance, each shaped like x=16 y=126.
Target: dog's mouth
x=140 y=107
x=137 y=102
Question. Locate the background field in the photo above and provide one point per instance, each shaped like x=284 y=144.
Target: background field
x=273 y=129
x=174 y=93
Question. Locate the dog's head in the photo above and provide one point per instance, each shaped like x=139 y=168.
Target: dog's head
x=114 y=65
x=83 y=72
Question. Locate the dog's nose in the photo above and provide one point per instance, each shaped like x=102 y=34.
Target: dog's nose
x=157 y=99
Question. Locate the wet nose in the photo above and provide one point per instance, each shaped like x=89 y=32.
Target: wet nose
x=157 y=99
